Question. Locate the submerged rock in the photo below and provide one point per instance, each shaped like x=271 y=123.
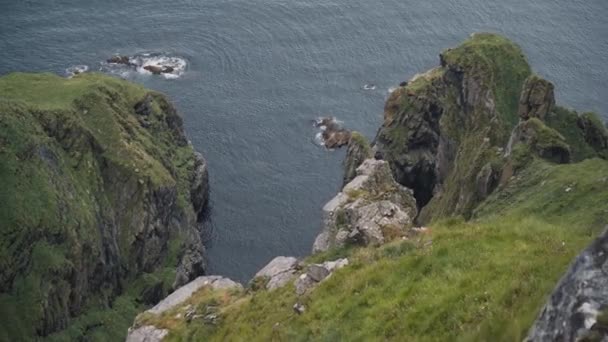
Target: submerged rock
x=332 y=133
x=120 y=60
x=578 y=307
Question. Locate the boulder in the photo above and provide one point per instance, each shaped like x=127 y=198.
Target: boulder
x=183 y=293
x=577 y=309
x=119 y=60
x=278 y=272
x=147 y=333
x=336 y=138
x=156 y=70
x=536 y=99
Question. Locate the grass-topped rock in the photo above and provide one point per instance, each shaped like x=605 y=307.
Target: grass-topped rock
x=101 y=194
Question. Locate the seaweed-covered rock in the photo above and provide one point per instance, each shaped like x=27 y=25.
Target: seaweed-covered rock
x=578 y=307
x=537 y=98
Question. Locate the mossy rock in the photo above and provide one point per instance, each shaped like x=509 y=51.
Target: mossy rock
x=94 y=194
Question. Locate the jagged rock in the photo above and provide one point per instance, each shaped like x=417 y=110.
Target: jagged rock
x=119 y=60
x=317 y=273
x=371 y=209
x=486 y=180
x=303 y=283
x=147 y=333
x=434 y=128
x=336 y=138
x=156 y=70
x=357 y=151
x=279 y=271
x=199 y=187
x=332 y=133
x=183 y=293
x=578 y=307
x=537 y=98
x=546 y=142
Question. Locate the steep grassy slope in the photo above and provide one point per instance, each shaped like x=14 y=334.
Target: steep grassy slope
x=512 y=188
x=97 y=190
x=481 y=280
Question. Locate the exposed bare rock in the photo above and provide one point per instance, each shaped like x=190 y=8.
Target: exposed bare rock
x=147 y=333
x=183 y=293
x=371 y=209
x=278 y=272
x=537 y=98
x=578 y=307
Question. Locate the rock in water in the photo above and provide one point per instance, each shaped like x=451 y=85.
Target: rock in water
x=578 y=307
x=119 y=60
x=156 y=70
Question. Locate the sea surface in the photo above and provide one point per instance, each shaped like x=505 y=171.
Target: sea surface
x=252 y=74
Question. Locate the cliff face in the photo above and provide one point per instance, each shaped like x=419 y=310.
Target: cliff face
x=101 y=190
x=446 y=131
x=478 y=137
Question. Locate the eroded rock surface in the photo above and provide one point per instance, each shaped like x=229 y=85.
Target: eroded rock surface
x=278 y=272
x=578 y=307
x=371 y=209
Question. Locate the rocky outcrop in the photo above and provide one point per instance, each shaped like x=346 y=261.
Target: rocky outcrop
x=357 y=151
x=316 y=273
x=594 y=133
x=333 y=135
x=371 y=209
x=147 y=333
x=578 y=307
x=544 y=141
x=536 y=99
x=113 y=192
x=277 y=273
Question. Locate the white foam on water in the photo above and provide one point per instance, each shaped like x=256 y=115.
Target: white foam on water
x=369 y=87
x=319 y=139
x=138 y=62
x=75 y=70
x=392 y=89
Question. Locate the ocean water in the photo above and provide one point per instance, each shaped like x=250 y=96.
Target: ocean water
x=252 y=74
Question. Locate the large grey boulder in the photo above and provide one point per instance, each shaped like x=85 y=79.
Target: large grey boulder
x=183 y=293
x=578 y=307
x=371 y=209
x=278 y=272
x=147 y=333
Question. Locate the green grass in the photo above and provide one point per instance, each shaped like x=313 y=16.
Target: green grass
x=75 y=161
x=479 y=280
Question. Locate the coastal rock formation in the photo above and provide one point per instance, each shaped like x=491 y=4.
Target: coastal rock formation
x=578 y=307
x=357 y=151
x=106 y=195
x=445 y=132
x=536 y=99
x=371 y=209
x=332 y=133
